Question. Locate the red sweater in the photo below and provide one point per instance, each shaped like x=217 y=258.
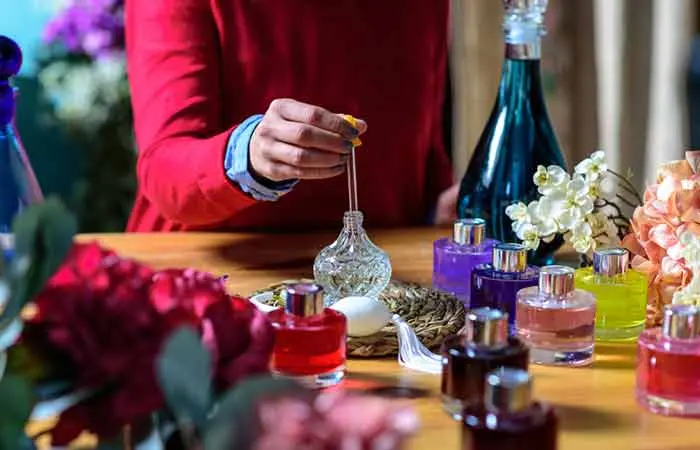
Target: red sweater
x=199 y=67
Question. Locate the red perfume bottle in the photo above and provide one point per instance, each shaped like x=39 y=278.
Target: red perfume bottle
x=509 y=419
x=668 y=364
x=468 y=358
x=309 y=338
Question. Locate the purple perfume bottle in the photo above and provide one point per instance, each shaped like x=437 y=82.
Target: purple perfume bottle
x=496 y=285
x=455 y=258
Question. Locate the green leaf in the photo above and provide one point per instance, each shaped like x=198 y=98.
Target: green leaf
x=16 y=405
x=43 y=236
x=184 y=371
x=233 y=426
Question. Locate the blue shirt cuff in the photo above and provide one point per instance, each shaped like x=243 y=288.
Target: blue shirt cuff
x=236 y=164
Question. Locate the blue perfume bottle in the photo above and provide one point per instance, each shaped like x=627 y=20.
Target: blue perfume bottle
x=18 y=184
x=496 y=285
x=518 y=135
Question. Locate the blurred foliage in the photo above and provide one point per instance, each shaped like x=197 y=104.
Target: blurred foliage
x=90 y=101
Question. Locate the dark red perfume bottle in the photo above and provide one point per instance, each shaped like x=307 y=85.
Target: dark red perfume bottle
x=309 y=338
x=508 y=419
x=466 y=359
x=668 y=370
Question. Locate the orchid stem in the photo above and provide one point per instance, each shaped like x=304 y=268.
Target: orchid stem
x=629 y=187
x=625 y=201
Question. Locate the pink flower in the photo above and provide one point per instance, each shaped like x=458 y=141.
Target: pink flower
x=671 y=207
x=333 y=421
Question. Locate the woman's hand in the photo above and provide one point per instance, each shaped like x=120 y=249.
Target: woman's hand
x=446 y=208
x=295 y=140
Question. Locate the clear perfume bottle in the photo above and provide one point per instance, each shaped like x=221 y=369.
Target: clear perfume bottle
x=455 y=258
x=621 y=295
x=556 y=320
x=352 y=265
x=309 y=338
x=509 y=419
x=518 y=135
x=467 y=358
x=18 y=185
x=495 y=285
x=668 y=364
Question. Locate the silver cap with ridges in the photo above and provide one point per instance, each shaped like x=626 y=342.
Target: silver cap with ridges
x=681 y=321
x=469 y=231
x=611 y=261
x=556 y=280
x=487 y=327
x=304 y=299
x=507 y=389
x=509 y=258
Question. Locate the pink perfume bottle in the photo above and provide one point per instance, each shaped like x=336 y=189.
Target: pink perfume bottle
x=466 y=359
x=509 y=419
x=557 y=321
x=668 y=370
x=309 y=338
x=454 y=258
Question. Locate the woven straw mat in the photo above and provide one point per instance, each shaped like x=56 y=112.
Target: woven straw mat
x=432 y=314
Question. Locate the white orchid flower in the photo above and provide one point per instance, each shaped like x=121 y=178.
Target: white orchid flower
x=545 y=214
x=593 y=166
x=529 y=234
x=550 y=178
x=582 y=229
x=582 y=244
x=518 y=212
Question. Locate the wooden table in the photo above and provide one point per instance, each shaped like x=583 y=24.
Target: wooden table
x=596 y=404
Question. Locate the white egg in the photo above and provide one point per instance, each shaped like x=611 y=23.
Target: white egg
x=366 y=315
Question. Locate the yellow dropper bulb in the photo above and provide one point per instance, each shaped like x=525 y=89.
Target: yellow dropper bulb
x=352 y=121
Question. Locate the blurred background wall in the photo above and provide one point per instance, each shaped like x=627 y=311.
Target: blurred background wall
x=621 y=75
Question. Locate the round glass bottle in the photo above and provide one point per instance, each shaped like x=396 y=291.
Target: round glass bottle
x=352 y=265
x=621 y=295
x=454 y=258
x=556 y=320
x=668 y=366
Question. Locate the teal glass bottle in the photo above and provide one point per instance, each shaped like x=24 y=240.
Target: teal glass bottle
x=18 y=184
x=518 y=135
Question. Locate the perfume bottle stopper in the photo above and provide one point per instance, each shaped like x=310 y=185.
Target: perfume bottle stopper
x=487 y=327
x=556 y=280
x=610 y=261
x=508 y=390
x=304 y=299
x=469 y=231
x=681 y=322
x=509 y=258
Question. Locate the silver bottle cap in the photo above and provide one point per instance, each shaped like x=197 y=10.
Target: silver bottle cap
x=507 y=389
x=469 y=231
x=304 y=299
x=681 y=321
x=487 y=327
x=611 y=261
x=556 y=280
x=510 y=258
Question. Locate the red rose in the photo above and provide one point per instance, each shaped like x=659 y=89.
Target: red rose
x=95 y=313
x=238 y=335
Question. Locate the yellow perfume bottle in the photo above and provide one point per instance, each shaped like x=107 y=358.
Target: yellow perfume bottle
x=621 y=294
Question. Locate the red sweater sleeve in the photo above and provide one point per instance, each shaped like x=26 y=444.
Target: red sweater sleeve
x=174 y=73
x=439 y=168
